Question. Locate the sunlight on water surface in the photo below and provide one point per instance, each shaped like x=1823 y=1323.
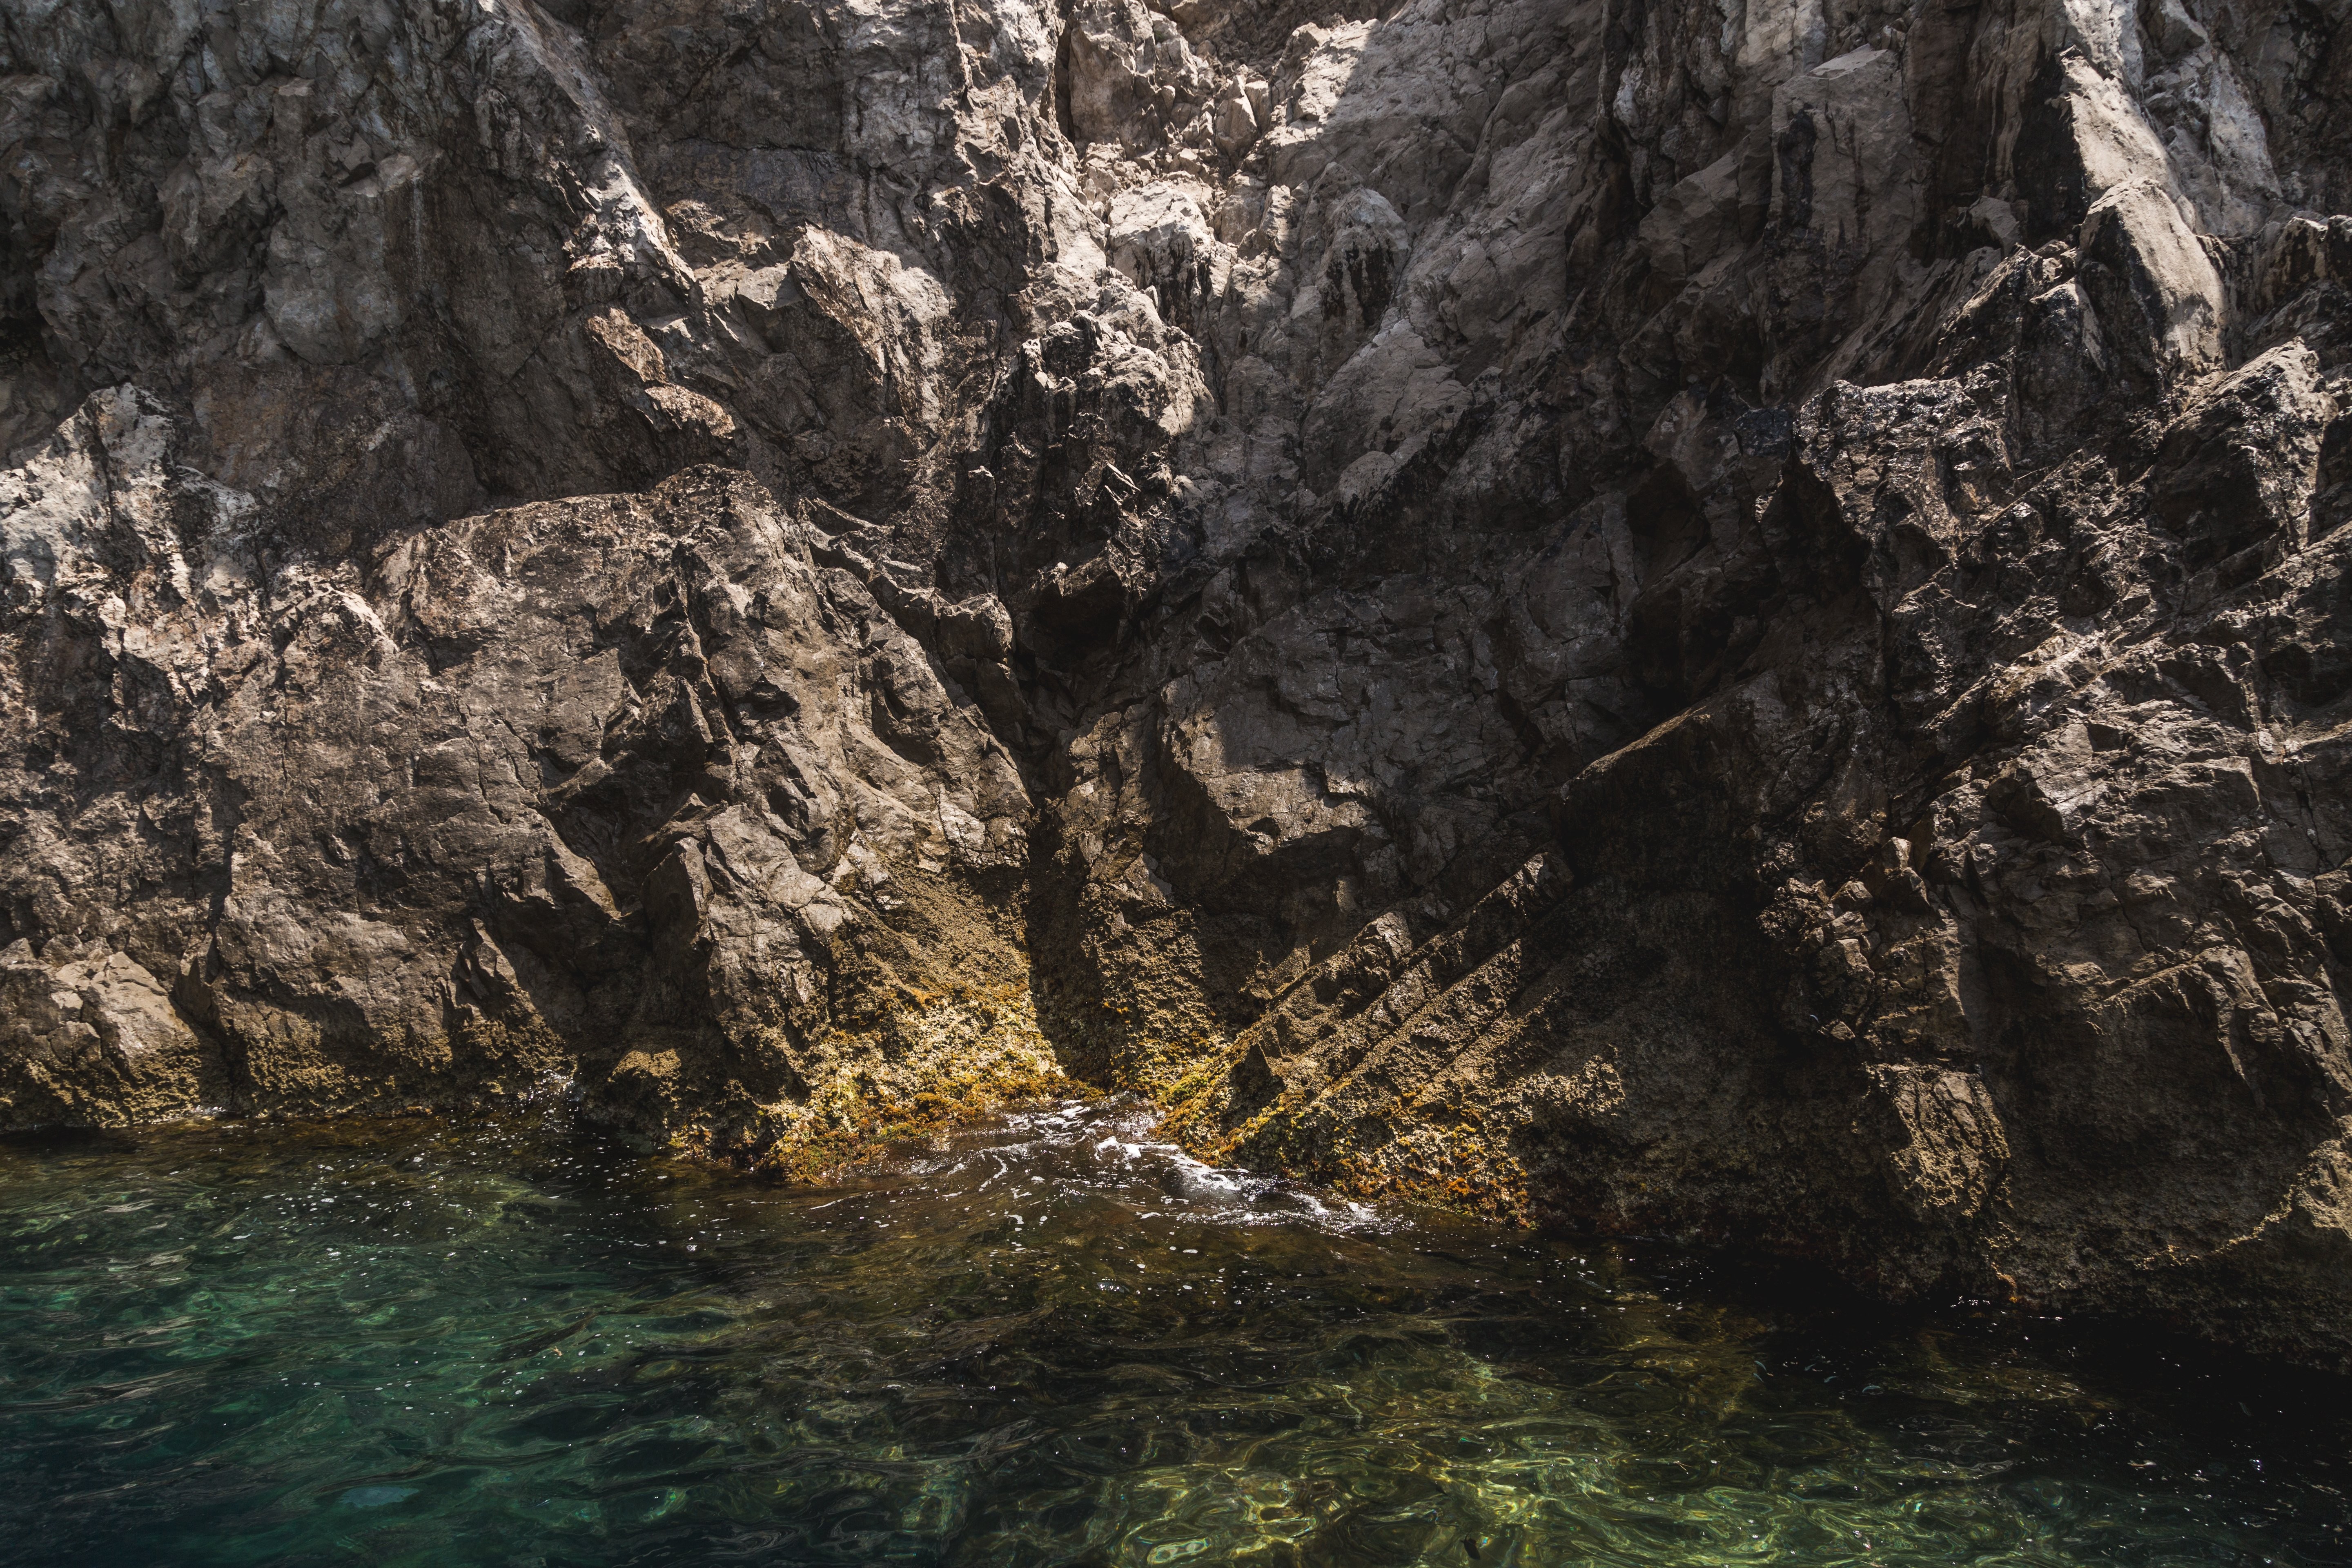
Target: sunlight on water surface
x=1056 y=1342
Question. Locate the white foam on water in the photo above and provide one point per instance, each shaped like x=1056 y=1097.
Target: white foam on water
x=1110 y=1149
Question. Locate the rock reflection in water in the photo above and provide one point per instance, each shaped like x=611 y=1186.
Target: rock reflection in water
x=1056 y=1342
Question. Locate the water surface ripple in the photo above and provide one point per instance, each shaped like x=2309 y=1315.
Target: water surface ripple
x=1054 y=1342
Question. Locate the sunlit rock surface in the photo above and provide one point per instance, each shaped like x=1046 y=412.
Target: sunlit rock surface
x=1722 y=621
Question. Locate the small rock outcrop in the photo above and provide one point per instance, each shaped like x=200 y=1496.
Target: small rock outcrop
x=1725 y=623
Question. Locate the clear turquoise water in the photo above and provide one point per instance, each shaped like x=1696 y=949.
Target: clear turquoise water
x=505 y=1343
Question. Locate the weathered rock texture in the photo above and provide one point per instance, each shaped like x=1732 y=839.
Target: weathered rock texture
x=1726 y=620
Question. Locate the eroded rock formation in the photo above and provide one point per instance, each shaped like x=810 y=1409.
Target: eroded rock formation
x=1724 y=621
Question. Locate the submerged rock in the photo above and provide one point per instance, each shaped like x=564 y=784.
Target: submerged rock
x=1725 y=624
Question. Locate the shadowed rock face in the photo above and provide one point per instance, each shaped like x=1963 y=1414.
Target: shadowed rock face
x=1719 y=621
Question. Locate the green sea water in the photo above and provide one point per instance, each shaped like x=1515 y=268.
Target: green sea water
x=507 y=1342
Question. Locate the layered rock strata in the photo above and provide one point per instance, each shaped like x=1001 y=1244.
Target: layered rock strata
x=1723 y=621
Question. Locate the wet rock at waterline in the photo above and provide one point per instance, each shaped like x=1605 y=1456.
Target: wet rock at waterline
x=1726 y=624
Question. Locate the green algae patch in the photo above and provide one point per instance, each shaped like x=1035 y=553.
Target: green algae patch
x=1221 y=1103
x=933 y=1066
x=1459 y=1168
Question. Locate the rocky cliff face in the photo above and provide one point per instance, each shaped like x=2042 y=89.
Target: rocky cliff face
x=1727 y=621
